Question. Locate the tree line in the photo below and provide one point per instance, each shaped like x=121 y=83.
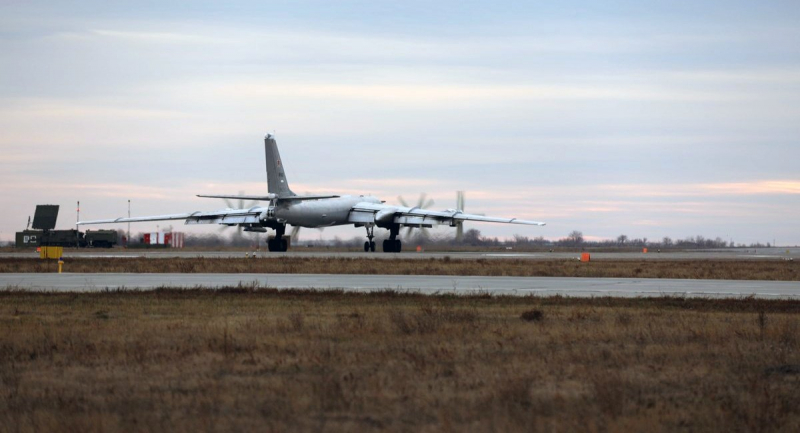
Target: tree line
x=472 y=237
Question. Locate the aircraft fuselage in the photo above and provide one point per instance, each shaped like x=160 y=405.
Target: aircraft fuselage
x=320 y=213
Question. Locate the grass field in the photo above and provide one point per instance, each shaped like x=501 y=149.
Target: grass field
x=701 y=269
x=265 y=360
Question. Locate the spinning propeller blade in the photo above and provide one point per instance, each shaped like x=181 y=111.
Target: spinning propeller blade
x=241 y=205
x=423 y=203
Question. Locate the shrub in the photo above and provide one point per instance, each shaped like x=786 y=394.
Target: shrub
x=532 y=316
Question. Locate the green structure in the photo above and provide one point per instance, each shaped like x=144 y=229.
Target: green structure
x=43 y=233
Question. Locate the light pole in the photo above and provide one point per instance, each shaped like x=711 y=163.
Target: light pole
x=129 y=225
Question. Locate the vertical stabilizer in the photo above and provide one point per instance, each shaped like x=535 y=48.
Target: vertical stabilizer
x=276 y=177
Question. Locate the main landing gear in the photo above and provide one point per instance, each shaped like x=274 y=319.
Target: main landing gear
x=278 y=243
x=370 y=244
x=392 y=245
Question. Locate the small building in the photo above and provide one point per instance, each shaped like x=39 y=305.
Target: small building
x=166 y=239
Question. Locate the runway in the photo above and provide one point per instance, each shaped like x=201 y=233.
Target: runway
x=514 y=286
x=792 y=253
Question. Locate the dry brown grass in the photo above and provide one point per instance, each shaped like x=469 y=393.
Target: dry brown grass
x=701 y=269
x=265 y=360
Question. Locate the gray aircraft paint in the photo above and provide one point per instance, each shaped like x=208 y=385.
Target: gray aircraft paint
x=276 y=177
x=320 y=213
x=304 y=213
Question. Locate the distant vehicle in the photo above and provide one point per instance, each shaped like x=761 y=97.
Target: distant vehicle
x=67 y=238
x=101 y=238
x=314 y=211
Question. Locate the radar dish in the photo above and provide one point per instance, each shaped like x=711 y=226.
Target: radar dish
x=45 y=217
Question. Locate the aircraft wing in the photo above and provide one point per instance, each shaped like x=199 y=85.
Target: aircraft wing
x=412 y=216
x=224 y=216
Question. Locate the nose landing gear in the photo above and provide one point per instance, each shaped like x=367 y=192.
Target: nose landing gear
x=370 y=244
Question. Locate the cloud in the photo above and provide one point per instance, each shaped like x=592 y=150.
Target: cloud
x=758 y=187
x=19 y=109
x=449 y=94
x=155 y=37
x=761 y=187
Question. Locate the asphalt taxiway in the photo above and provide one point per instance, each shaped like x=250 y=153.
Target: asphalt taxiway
x=516 y=286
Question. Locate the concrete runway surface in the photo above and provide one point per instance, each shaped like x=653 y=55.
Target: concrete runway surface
x=516 y=286
x=718 y=254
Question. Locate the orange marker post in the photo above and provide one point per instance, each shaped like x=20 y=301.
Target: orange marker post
x=585 y=257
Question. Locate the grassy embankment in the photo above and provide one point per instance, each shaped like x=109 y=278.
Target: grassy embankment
x=277 y=361
x=702 y=269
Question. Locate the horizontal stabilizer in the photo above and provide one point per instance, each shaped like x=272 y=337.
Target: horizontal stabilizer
x=307 y=197
x=267 y=197
x=270 y=197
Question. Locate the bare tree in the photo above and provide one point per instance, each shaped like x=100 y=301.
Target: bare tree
x=521 y=240
x=575 y=237
x=621 y=239
x=472 y=237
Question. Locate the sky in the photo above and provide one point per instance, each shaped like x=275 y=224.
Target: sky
x=648 y=119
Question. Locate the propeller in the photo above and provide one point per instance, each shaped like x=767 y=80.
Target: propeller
x=295 y=233
x=241 y=204
x=460 y=208
x=423 y=203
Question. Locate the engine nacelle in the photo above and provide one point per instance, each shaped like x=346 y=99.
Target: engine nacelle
x=384 y=217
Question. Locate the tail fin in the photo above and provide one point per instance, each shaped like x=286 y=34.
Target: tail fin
x=276 y=177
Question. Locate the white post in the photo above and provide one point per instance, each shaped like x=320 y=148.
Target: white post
x=77 y=220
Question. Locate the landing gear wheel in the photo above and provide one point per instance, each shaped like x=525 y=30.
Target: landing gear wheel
x=392 y=246
x=369 y=245
x=276 y=244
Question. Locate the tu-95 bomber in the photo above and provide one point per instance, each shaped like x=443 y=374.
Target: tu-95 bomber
x=284 y=207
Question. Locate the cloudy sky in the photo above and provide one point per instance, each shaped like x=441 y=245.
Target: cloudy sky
x=648 y=119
